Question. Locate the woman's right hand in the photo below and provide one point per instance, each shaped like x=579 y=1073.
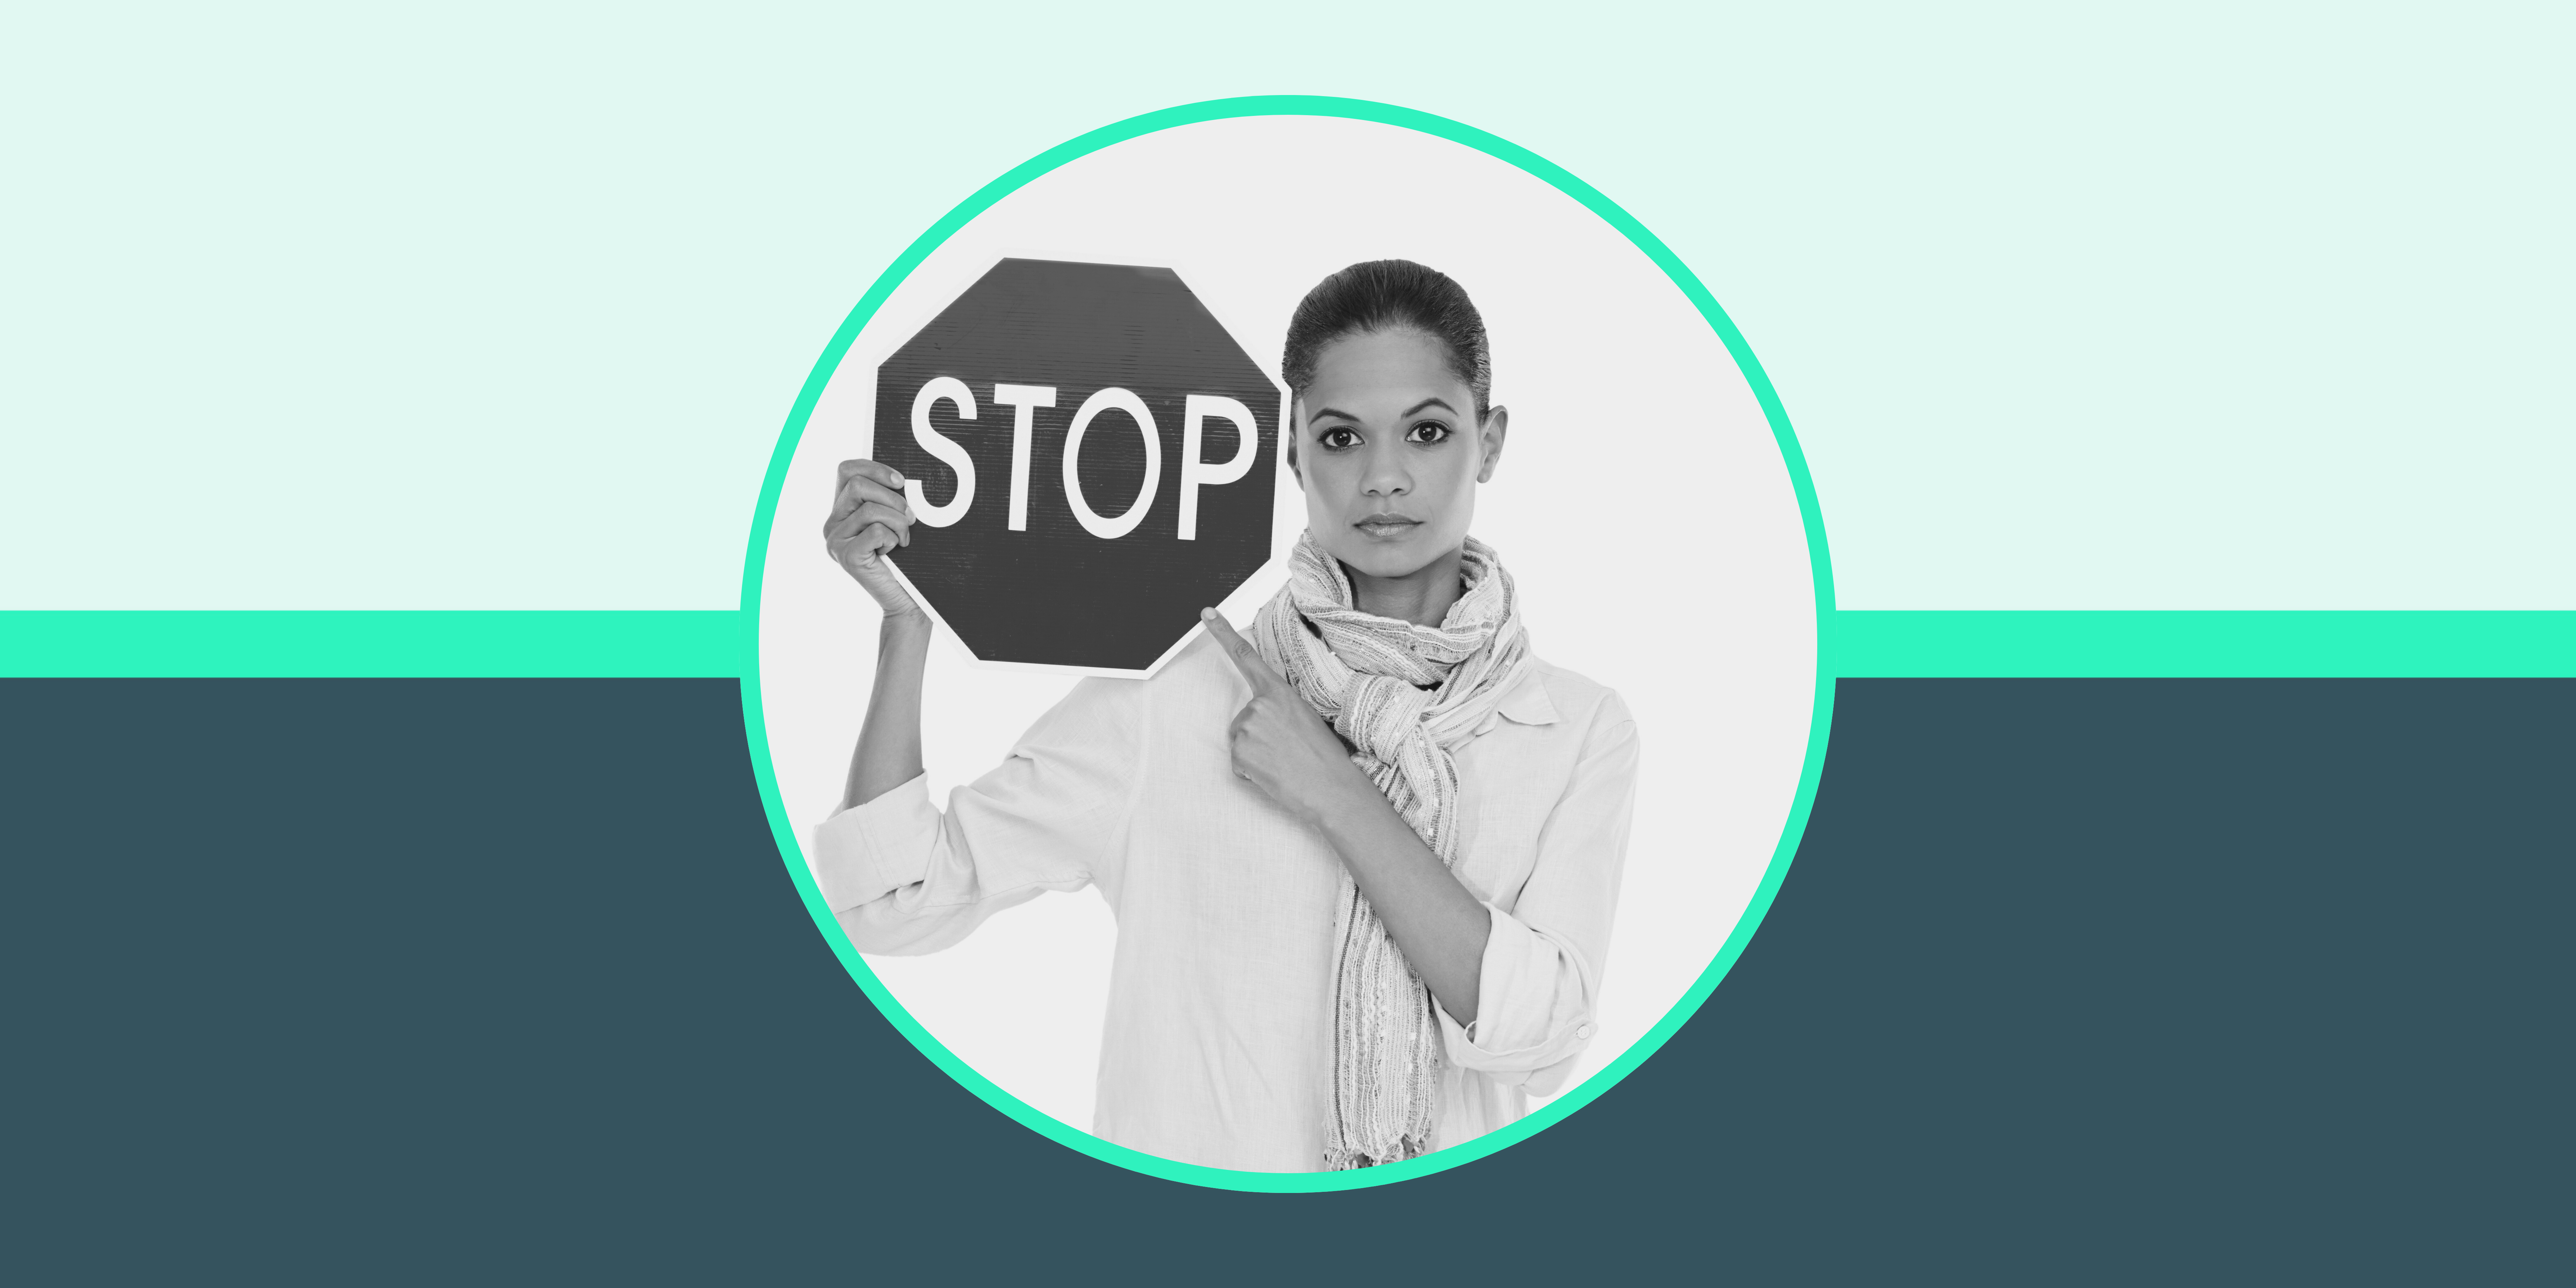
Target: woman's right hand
x=869 y=518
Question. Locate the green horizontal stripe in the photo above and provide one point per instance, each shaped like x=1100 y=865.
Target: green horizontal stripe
x=468 y=644
x=2201 y=645
x=1925 y=644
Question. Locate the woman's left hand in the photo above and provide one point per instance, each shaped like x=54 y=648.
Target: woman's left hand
x=1280 y=743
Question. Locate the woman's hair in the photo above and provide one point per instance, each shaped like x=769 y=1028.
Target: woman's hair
x=1389 y=295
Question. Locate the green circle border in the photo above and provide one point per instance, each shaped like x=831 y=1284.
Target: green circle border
x=791 y=850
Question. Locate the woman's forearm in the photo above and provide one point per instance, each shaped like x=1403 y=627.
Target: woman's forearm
x=1280 y=745
x=889 y=751
x=1440 y=928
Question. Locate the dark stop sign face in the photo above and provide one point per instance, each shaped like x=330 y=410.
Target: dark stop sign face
x=1090 y=460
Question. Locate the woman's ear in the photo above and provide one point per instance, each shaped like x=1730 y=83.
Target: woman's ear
x=1489 y=437
x=1293 y=433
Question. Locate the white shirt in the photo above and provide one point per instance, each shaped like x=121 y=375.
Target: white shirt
x=1217 y=1048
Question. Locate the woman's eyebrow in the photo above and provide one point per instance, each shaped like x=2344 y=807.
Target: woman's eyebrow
x=1321 y=412
x=1429 y=402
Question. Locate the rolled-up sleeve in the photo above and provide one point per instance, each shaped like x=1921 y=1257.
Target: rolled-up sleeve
x=1541 y=973
x=903 y=877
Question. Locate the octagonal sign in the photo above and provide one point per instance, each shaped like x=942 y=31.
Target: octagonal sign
x=1090 y=459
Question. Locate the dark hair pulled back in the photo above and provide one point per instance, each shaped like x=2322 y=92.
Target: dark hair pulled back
x=1388 y=295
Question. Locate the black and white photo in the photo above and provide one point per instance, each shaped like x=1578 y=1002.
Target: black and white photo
x=1364 y=863
x=1394 y=847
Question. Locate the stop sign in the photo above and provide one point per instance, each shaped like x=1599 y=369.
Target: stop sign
x=1090 y=461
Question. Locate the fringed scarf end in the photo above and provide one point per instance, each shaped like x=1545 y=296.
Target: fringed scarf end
x=1345 y=1158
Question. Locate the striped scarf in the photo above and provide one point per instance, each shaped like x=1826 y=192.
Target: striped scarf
x=1406 y=697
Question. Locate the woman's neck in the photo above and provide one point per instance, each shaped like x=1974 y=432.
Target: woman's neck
x=1421 y=597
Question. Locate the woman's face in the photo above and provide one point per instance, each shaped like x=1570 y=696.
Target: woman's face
x=1389 y=452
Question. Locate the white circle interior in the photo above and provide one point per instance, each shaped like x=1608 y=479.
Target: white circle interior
x=1641 y=503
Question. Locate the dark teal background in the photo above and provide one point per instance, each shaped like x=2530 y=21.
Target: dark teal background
x=2072 y=981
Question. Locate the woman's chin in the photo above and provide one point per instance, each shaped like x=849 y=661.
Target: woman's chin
x=1388 y=560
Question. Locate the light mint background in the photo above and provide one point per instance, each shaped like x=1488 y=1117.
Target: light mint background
x=2189 y=307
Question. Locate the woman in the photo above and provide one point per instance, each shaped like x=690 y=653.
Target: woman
x=1363 y=862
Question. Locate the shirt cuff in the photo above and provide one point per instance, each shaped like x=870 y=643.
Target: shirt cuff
x=862 y=854
x=1532 y=1019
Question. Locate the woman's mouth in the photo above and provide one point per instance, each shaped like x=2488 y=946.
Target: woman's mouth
x=1387 y=527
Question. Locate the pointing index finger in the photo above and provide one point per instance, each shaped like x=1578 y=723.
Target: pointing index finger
x=1246 y=658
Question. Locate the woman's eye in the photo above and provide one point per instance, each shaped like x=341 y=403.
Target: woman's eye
x=1429 y=431
x=1339 y=438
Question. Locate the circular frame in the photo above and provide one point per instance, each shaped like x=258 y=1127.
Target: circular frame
x=791 y=850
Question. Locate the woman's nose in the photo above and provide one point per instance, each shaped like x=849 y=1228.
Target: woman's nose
x=1386 y=475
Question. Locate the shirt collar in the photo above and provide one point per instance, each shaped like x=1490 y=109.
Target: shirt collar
x=1526 y=703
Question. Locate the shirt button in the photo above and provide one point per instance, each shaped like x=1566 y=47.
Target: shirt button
x=1583 y=1030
